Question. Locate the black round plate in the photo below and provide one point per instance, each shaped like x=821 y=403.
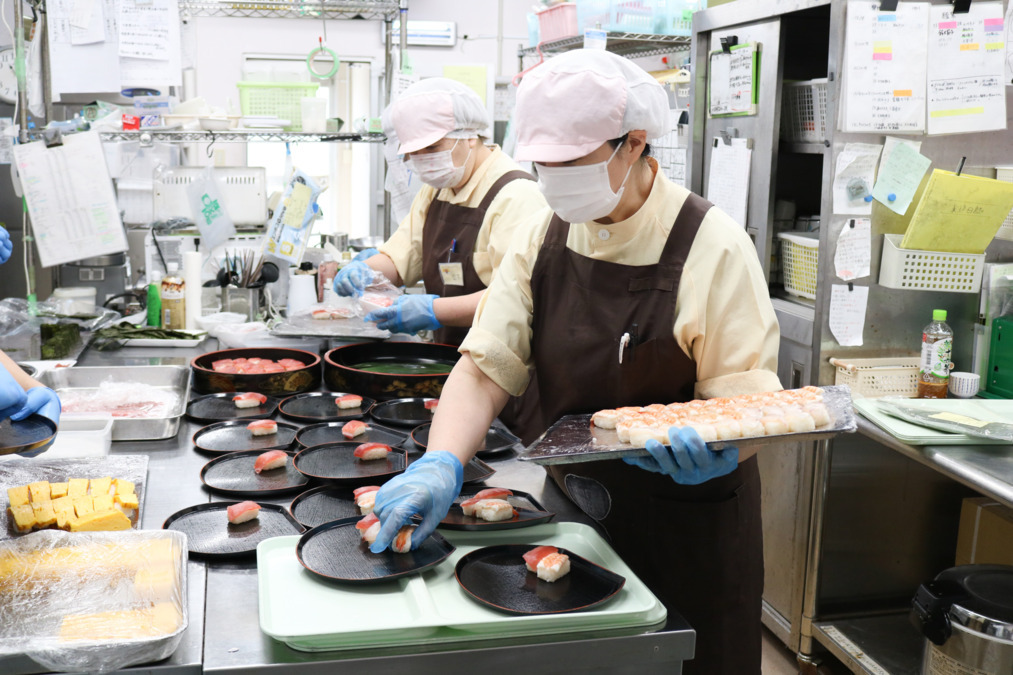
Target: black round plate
x=233 y=436
x=219 y=407
x=335 y=464
x=330 y=432
x=495 y=576
x=210 y=535
x=496 y=442
x=319 y=406
x=233 y=474
x=402 y=412
x=335 y=551
x=474 y=471
x=529 y=512
x=324 y=505
x=29 y=434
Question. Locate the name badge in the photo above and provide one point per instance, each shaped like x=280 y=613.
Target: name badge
x=452 y=273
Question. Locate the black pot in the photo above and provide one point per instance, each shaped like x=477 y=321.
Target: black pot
x=207 y=381
x=342 y=374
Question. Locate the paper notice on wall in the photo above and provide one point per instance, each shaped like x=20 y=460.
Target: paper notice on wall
x=854 y=249
x=6 y=140
x=847 y=313
x=1008 y=24
x=966 y=69
x=70 y=199
x=900 y=174
x=885 y=67
x=87 y=22
x=732 y=81
x=728 y=178
x=854 y=178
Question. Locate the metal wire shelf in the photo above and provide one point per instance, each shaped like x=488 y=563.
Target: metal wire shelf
x=624 y=44
x=238 y=136
x=292 y=9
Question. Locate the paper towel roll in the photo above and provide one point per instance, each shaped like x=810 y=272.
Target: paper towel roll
x=192 y=287
x=302 y=292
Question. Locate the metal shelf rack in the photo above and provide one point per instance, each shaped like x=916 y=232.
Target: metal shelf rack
x=238 y=136
x=385 y=10
x=624 y=44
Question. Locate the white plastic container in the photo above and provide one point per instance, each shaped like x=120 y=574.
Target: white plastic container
x=82 y=435
x=914 y=270
x=75 y=301
x=314 y=115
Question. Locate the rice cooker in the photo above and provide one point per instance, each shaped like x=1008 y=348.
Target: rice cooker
x=966 y=615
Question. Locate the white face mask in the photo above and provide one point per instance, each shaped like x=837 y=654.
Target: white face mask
x=580 y=194
x=437 y=168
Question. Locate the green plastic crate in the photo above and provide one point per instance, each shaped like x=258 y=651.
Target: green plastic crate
x=276 y=98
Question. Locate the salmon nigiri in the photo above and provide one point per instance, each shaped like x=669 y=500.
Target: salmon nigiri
x=242 y=512
x=354 y=428
x=272 y=459
x=250 y=399
x=532 y=557
x=348 y=401
x=368 y=528
x=263 y=427
x=368 y=451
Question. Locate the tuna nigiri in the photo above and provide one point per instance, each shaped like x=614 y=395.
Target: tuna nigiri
x=468 y=505
x=403 y=540
x=354 y=428
x=263 y=427
x=272 y=459
x=532 y=557
x=431 y=404
x=348 y=401
x=242 y=512
x=250 y=399
x=359 y=491
x=368 y=528
x=369 y=451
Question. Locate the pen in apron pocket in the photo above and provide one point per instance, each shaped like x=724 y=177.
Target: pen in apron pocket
x=453 y=247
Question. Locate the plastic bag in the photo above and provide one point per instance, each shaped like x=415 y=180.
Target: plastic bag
x=338 y=317
x=379 y=293
x=96 y=601
x=946 y=420
x=288 y=231
x=208 y=209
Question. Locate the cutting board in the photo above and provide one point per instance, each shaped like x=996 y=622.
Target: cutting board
x=432 y=608
x=998 y=410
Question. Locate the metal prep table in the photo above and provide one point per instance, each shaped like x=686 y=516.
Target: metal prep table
x=224 y=635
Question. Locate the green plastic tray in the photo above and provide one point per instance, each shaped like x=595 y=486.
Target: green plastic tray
x=914 y=434
x=310 y=615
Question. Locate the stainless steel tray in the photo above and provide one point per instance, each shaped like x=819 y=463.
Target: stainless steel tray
x=573 y=439
x=173 y=378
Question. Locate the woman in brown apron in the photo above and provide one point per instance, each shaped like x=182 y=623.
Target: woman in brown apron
x=634 y=292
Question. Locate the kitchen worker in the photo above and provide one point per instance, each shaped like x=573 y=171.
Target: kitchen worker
x=628 y=262
x=22 y=395
x=461 y=221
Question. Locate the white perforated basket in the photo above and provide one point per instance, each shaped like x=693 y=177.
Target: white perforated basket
x=872 y=378
x=804 y=111
x=912 y=270
x=800 y=262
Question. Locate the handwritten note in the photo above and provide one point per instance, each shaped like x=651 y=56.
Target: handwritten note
x=731 y=84
x=960 y=214
x=885 y=67
x=728 y=178
x=854 y=249
x=847 y=313
x=966 y=69
x=853 y=179
x=899 y=177
x=144 y=29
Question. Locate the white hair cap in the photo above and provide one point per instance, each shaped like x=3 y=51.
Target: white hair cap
x=437 y=108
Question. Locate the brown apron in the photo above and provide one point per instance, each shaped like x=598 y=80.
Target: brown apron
x=697 y=547
x=449 y=235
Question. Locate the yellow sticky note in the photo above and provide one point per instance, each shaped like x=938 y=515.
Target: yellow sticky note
x=475 y=78
x=296 y=205
x=960 y=214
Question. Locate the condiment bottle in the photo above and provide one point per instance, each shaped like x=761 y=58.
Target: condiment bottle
x=173 y=303
x=154 y=305
x=937 y=349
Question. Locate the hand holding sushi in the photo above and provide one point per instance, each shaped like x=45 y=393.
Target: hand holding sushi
x=410 y=314
x=688 y=461
x=428 y=487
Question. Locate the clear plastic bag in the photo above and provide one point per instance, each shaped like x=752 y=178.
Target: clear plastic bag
x=208 y=209
x=93 y=602
x=951 y=420
x=338 y=317
x=379 y=293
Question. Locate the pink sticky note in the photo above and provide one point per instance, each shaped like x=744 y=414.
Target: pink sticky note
x=882 y=57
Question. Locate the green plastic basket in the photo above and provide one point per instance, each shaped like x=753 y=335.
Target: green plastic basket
x=276 y=98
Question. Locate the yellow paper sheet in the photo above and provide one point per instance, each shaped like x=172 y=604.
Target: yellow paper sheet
x=474 y=77
x=960 y=214
x=297 y=204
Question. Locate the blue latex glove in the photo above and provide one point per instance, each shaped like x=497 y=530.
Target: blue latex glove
x=688 y=461
x=427 y=487
x=6 y=246
x=353 y=278
x=410 y=314
x=366 y=255
x=12 y=395
x=41 y=400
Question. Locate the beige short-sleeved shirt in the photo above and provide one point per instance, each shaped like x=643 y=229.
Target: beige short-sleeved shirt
x=724 y=320
x=514 y=204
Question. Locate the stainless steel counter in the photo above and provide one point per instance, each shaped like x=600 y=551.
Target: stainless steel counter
x=224 y=634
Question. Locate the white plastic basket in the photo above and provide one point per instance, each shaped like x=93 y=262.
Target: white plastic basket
x=800 y=262
x=1005 y=174
x=872 y=378
x=912 y=270
x=804 y=111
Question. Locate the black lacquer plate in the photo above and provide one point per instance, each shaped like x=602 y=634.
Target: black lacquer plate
x=497 y=441
x=233 y=436
x=220 y=407
x=402 y=412
x=26 y=435
x=496 y=576
x=210 y=535
x=335 y=551
x=474 y=471
x=330 y=432
x=529 y=512
x=320 y=406
x=234 y=474
x=335 y=463
x=324 y=505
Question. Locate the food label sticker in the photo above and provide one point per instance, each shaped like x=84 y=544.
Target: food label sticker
x=452 y=273
x=959 y=419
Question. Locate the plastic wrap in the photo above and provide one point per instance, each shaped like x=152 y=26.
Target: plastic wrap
x=94 y=602
x=16 y=472
x=378 y=294
x=135 y=400
x=955 y=419
x=345 y=320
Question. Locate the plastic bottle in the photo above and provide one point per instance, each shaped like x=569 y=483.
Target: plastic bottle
x=155 y=300
x=937 y=349
x=173 y=302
